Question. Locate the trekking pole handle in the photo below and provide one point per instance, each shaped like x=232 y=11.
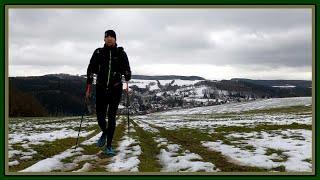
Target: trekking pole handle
x=127 y=87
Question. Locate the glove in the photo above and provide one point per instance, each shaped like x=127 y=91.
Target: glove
x=127 y=75
x=88 y=92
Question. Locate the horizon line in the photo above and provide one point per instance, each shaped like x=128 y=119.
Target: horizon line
x=167 y=75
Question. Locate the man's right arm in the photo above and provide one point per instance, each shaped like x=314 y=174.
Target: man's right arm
x=92 y=69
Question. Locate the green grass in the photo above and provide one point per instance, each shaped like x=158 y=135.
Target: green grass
x=47 y=150
x=235 y=141
x=280 y=168
x=17 y=156
x=283 y=157
x=308 y=160
x=248 y=147
x=148 y=158
x=119 y=131
x=87 y=128
x=69 y=159
x=24 y=164
x=270 y=151
x=18 y=147
x=96 y=168
x=297 y=137
x=288 y=109
x=56 y=120
x=191 y=139
x=262 y=127
x=231 y=138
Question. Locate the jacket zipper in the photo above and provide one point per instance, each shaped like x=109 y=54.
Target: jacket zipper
x=109 y=69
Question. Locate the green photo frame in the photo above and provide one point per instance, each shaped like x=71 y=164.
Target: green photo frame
x=7 y=4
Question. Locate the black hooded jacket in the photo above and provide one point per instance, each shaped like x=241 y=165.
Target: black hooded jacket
x=109 y=75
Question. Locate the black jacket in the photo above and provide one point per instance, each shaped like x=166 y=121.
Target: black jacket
x=108 y=75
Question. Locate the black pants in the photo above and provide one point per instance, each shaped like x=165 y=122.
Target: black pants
x=107 y=101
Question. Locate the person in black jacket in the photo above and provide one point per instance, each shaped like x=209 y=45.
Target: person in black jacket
x=109 y=63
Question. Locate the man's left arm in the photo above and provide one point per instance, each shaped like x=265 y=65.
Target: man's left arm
x=126 y=66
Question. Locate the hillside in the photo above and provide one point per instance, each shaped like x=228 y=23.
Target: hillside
x=62 y=94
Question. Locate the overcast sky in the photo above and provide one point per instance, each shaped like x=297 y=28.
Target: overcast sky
x=212 y=43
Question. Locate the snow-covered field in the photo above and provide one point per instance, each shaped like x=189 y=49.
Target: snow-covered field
x=244 y=106
x=291 y=152
x=272 y=135
x=294 y=146
x=185 y=162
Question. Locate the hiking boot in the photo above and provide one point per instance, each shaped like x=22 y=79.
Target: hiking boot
x=109 y=152
x=102 y=140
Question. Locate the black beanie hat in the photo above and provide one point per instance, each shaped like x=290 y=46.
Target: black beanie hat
x=110 y=33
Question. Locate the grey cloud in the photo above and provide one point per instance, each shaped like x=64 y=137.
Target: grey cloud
x=269 y=37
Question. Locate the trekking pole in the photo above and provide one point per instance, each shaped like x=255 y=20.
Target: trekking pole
x=75 y=147
x=83 y=112
x=127 y=88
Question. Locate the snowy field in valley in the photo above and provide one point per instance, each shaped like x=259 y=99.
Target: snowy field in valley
x=244 y=106
x=272 y=135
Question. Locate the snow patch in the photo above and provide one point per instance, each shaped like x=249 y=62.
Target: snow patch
x=145 y=126
x=86 y=167
x=85 y=158
x=26 y=157
x=127 y=158
x=92 y=140
x=54 y=163
x=46 y=136
x=296 y=149
x=13 y=163
x=173 y=161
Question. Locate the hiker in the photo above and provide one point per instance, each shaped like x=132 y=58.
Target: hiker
x=110 y=63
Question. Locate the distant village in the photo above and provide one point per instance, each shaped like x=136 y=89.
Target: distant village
x=154 y=96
